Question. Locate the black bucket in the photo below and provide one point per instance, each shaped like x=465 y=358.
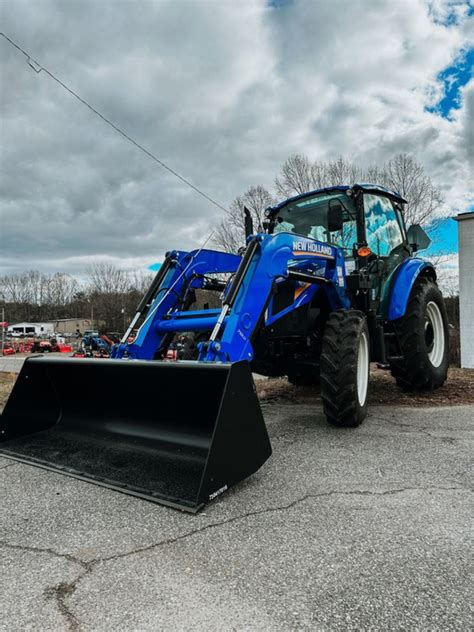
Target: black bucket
x=176 y=433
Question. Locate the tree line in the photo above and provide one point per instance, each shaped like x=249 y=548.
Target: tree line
x=108 y=295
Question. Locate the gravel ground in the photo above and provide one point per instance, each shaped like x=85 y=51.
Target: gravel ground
x=341 y=529
x=458 y=390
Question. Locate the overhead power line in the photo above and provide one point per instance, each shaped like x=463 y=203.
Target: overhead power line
x=37 y=67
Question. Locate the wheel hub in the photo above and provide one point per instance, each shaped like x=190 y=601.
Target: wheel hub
x=434 y=334
x=362 y=368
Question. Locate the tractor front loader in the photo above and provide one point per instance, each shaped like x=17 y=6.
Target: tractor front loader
x=331 y=284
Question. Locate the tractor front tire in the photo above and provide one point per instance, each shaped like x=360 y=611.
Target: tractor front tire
x=345 y=365
x=423 y=339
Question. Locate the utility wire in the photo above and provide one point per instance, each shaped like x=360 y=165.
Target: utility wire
x=37 y=67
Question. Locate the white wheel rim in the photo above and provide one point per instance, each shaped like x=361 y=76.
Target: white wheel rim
x=434 y=334
x=363 y=368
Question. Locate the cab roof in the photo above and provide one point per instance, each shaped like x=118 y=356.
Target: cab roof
x=367 y=187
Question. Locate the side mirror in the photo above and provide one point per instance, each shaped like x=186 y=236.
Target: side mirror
x=335 y=217
x=417 y=238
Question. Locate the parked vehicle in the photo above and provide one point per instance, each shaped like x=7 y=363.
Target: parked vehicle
x=332 y=282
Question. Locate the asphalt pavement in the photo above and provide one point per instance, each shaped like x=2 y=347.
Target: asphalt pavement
x=11 y=364
x=340 y=530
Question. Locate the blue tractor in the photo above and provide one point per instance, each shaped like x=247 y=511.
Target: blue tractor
x=328 y=285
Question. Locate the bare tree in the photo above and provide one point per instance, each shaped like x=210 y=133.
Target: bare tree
x=140 y=281
x=299 y=175
x=35 y=285
x=12 y=288
x=373 y=174
x=23 y=287
x=446 y=273
x=106 y=278
x=230 y=233
x=61 y=289
x=319 y=175
x=35 y=295
x=296 y=176
x=406 y=176
x=111 y=293
x=107 y=292
x=342 y=171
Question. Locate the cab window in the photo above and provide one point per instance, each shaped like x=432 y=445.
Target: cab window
x=308 y=217
x=383 y=231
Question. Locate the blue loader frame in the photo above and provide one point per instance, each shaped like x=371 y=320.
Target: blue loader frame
x=268 y=261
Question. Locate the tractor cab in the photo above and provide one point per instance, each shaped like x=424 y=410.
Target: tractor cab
x=347 y=217
x=364 y=220
x=329 y=216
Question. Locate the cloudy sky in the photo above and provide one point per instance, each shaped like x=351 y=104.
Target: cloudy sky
x=222 y=91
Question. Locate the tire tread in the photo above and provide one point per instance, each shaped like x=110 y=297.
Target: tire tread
x=339 y=368
x=414 y=372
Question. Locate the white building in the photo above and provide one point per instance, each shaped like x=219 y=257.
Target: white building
x=31 y=329
x=466 y=287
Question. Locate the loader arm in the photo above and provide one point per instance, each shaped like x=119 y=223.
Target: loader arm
x=272 y=259
x=267 y=261
x=162 y=308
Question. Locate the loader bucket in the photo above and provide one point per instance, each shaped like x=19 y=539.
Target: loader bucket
x=175 y=433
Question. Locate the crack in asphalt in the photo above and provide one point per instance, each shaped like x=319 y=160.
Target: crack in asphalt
x=61 y=592
x=4 y=467
x=258 y=512
x=49 y=551
x=291 y=437
x=423 y=430
x=87 y=566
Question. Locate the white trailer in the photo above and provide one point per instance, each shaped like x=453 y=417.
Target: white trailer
x=21 y=330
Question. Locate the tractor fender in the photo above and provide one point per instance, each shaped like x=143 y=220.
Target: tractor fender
x=400 y=285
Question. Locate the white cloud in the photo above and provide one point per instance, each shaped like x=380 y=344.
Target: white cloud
x=223 y=92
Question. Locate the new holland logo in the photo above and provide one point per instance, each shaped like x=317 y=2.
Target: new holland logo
x=312 y=248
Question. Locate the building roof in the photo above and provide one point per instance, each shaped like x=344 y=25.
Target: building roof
x=462 y=216
x=30 y=324
x=68 y=320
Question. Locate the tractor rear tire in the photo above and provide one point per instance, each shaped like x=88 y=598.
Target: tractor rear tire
x=423 y=338
x=345 y=366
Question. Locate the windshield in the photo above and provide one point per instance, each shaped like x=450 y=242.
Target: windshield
x=309 y=216
x=384 y=233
